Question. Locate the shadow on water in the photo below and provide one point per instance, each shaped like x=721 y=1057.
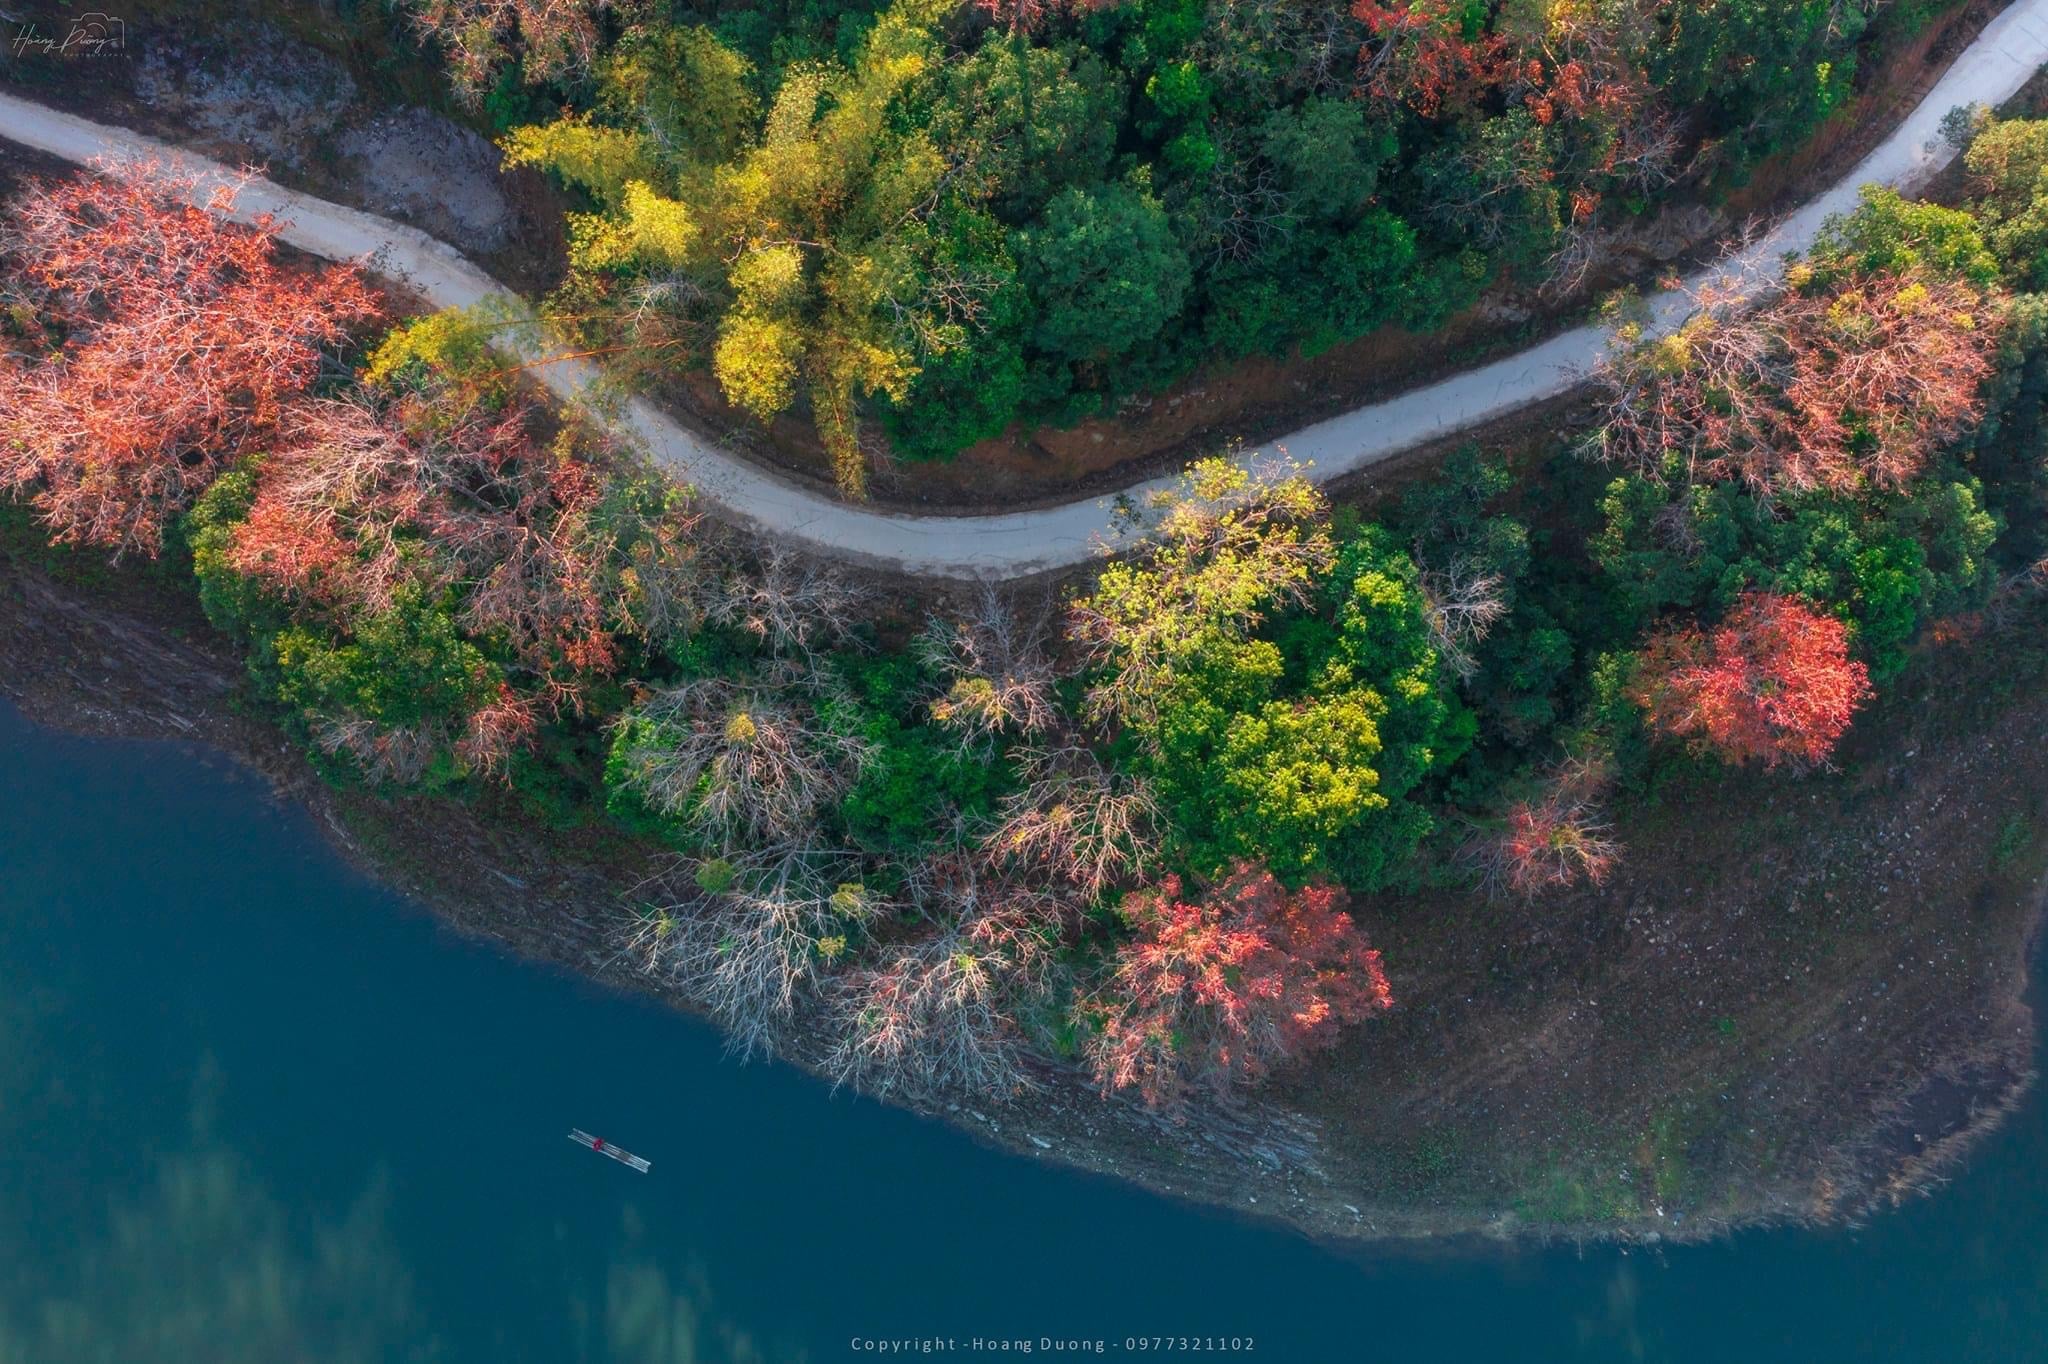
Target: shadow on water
x=255 y=1109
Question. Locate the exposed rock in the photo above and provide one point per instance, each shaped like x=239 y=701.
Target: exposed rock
x=1504 y=309
x=276 y=110
x=439 y=176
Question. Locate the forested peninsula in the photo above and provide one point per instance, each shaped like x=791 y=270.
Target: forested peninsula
x=1627 y=821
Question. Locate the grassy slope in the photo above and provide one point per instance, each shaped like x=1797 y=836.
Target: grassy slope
x=1793 y=986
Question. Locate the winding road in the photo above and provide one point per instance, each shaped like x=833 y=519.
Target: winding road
x=1993 y=68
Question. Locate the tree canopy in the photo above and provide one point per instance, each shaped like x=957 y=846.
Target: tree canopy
x=925 y=221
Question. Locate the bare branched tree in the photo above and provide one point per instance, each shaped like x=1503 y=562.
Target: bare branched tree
x=1001 y=667
x=1462 y=602
x=939 y=1015
x=554 y=39
x=385 y=754
x=792 y=603
x=1241 y=40
x=1851 y=385
x=1075 y=823
x=1245 y=207
x=753 y=952
x=748 y=768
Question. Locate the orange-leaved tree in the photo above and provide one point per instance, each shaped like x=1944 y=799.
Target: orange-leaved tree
x=153 y=343
x=1226 y=985
x=1850 y=385
x=1772 y=683
x=551 y=551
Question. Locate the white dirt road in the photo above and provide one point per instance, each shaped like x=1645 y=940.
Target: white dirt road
x=2009 y=50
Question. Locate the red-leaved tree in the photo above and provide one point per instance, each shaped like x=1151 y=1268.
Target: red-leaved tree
x=1224 y=987
x=1772 y=683
x=1578 y=76
x=167 y=342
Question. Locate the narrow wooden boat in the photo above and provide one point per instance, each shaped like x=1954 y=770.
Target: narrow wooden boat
x=605 y=1148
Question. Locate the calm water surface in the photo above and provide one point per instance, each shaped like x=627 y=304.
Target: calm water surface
x=254 y=1110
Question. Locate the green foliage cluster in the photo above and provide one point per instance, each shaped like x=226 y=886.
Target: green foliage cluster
x=1304 y=748
x=407 y=666
x=920 y=786
x=1884 y=562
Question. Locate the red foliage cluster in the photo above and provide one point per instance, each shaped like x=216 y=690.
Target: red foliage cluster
x=500 y=729
x=1773 y=683
x=1832 y=388
x=1557 y=840
x=366 y=494
x=1418 y=56
x=1229 y=985
x=180 y=338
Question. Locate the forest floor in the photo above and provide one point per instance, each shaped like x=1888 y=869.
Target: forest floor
x=1798 y=998
x=1792 y=996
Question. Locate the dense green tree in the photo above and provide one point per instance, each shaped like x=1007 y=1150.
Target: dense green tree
x=1306 y=753
x=236 y=603
x=1887 y=563
x=393 y=697
x=1330 y=155
x=1104 y=274
x=1025 y=122
x=2008 y=164
x=1890 y=233
x=918 y=781
x=1758 y=73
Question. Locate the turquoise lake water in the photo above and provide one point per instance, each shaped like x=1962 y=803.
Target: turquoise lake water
x=256 y=1110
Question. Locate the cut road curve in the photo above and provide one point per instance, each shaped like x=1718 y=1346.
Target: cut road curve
x=1015 y=544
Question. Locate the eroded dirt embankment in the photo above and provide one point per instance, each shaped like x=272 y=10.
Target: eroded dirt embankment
x=1799 y=998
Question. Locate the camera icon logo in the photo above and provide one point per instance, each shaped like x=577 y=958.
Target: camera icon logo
x=94 y=32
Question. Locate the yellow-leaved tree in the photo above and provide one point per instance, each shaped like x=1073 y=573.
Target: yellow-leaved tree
x=791 y=248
